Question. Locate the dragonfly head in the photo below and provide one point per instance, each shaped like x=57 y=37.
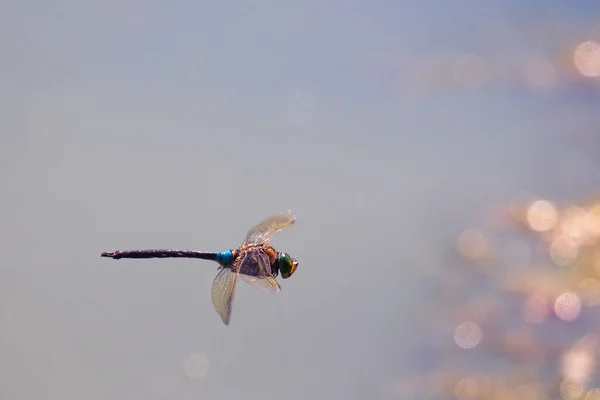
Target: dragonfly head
x=287 y=265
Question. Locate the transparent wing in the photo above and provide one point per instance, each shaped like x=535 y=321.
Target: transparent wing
x=267 y=229
x=268 y=284
x=255 y=269
x=223 y=290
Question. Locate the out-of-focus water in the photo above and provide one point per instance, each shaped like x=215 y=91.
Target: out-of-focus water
x=401 y=134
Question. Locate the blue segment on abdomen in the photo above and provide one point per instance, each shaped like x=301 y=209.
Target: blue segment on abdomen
x=225 y=257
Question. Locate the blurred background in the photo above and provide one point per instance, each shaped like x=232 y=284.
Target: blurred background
x=442 y=159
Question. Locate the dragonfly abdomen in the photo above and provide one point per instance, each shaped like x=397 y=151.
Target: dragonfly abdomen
x=224 y=257
x=166 y=253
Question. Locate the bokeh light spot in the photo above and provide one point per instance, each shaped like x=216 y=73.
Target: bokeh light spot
x=468 y=335
x=466 y=389
x=541 y=216
x=471 y=70
x=540 y=73
x=472 y=245
x=196 y=365
x=519 y=204
x=578 y=364
x=530 y=391
x=570 y=389
x=586 y=58
x=575 y=224
x=593 y=394
x=594 y=220
x=567 y=306
x=535 y=309
x=590 y=292
x=563 y=250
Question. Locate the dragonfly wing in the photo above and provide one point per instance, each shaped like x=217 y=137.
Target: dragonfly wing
x=223 y=291
x=255 y=269
x=267 y=229
x=268 y=284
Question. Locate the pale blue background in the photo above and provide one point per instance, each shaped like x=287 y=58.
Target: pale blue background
x=148 y=124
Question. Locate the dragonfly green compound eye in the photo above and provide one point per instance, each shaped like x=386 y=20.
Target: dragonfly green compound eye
x=287 y=265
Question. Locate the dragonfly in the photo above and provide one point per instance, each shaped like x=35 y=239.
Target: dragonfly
x=255 y=261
